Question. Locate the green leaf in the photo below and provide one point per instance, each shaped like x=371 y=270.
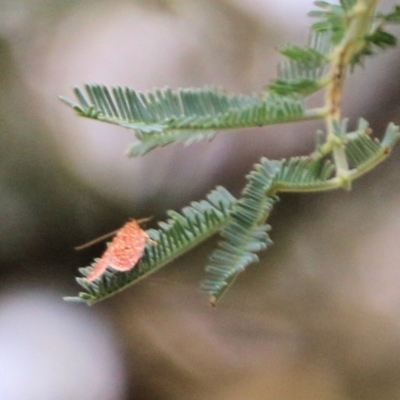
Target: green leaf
x=377 y=39
x=301 y=74
x=393 y=17
x=246 y=233
x=303 y=174
x=189 y=115
x=333 y=19
x=362 y=149
x=303 y=86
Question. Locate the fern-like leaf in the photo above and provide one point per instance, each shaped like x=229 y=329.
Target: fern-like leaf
x=246 y=233
x=332 y=19
x=181 y=232
x=377 y=39
x=392 y=17
x=304 y=174
x=305 y=67
x=365 y=152
x=165 y=116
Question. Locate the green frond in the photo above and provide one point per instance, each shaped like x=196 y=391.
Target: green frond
x=360 y=146
x=348 y=4
x=246 y=233
x=364 y=151
x=293 y=78
x=303 y=174
x=332 y=18
x=380 y=38
x=181 y=232
x=303 y=71
x=392 y=17
x=165 y=116
x=315 y=52
x=377 y=39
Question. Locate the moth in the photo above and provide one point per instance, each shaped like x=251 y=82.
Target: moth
x=124 y=251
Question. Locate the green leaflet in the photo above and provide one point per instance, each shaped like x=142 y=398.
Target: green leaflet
x=332 y=19
x=187 y=115
x=305 y=67
x=246 y=232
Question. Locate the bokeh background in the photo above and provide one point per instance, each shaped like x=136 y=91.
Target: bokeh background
x=318 y=318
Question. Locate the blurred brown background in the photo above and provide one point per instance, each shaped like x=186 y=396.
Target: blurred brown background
x=318 y=318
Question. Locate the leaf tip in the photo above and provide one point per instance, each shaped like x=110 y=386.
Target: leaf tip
x=74 y=299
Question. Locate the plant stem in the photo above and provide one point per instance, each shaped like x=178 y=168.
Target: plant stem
x=359 y=23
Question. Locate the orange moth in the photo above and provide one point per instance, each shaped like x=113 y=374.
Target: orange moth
x=125 y=250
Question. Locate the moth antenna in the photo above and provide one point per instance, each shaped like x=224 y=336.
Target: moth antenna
x=143 y=220
x=97 y=240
